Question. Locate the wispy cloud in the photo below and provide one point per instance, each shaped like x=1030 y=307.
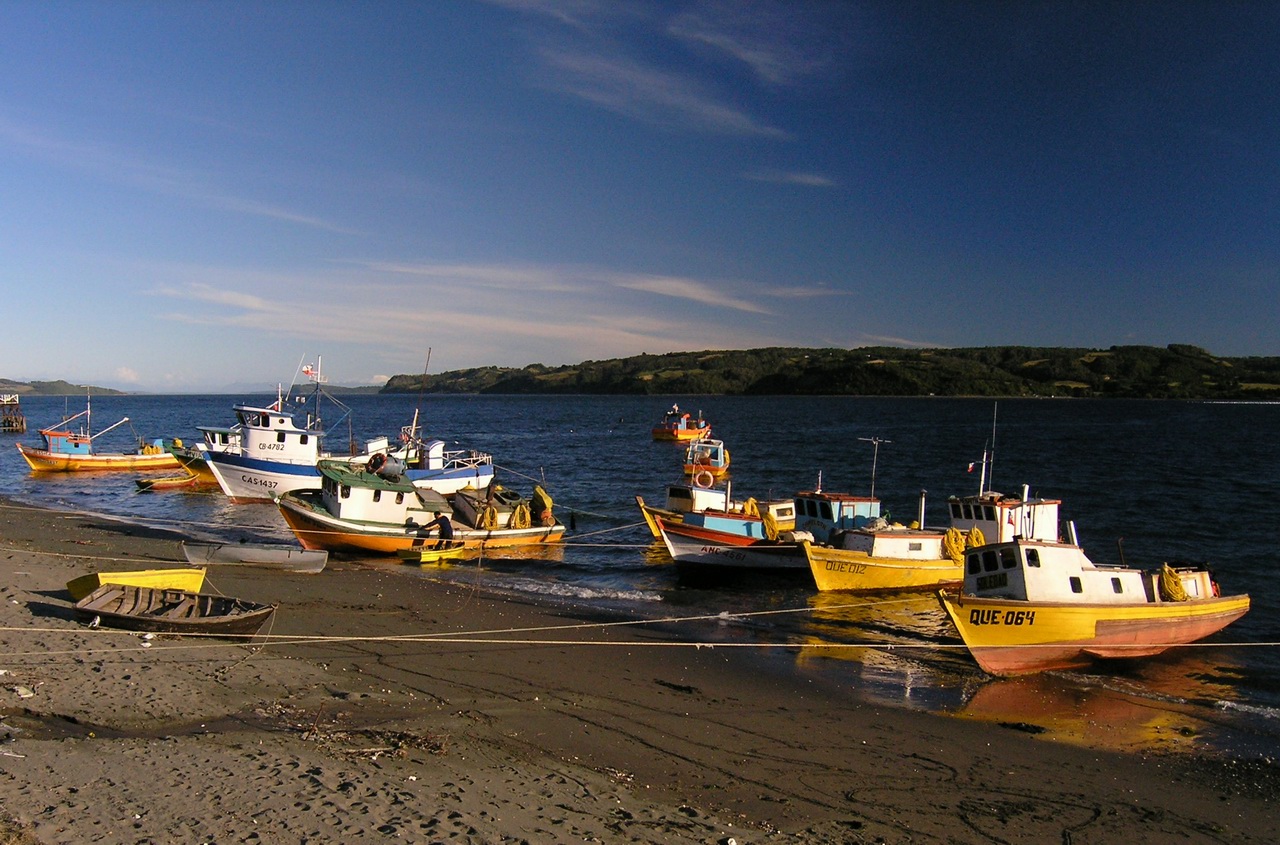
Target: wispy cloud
x=689 y=289
x=658 y=97
x=785 y=177
x=780 y=42
x=111 y=166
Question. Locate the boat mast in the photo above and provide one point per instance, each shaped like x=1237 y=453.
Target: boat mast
x=875 y=454
x=988 y=456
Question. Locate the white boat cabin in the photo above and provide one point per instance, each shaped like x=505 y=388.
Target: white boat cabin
x=351 y=494
x=1038 y=571
x=822 y=514
x=220 y=438
x=1001 y=517
x=271 y=434
x=881 y=540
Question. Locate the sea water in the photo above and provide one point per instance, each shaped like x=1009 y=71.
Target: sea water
x=1144 y=481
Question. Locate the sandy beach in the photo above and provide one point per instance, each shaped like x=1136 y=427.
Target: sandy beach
x=386 y=708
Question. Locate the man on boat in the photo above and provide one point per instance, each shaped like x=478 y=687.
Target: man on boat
x=445 y=527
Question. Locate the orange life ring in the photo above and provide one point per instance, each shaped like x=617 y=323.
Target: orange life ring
x=704 y=479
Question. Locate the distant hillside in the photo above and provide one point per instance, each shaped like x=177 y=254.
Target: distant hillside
x=53 y=388
x=1173 y=372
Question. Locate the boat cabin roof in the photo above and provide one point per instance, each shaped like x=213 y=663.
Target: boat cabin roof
x=345 y=473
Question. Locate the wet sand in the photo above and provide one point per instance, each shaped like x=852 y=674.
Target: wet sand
x=385 y=708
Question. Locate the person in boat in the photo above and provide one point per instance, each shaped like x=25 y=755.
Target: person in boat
x=444 y=526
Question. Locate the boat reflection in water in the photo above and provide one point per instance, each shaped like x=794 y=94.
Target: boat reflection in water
x=902 y=645
x=1158 y=707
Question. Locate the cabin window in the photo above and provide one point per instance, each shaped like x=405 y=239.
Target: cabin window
x=1076 y=586
x=989 y=513
x=786 y=513
x=346 y=491
x=968 y=512
x=915 y=547
x=377 y=495
x=399 y=498
x=989 y=563
x=956 y=510
x=1008 y=558
x=975 y=564
x=1115 y=585
x=1033 y=558
x=279 y=436
x=824 y=509
x=303 y=440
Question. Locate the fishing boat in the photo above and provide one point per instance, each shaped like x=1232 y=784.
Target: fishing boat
x=173 y=611
x=275 y=455
x=863 y=550
x=689 y=498
x=1029 y=606
x=261 y=555
x=11 y=419
x=706 y=460
x=67 y=450
x=187 y=580
x=680 y=426
x=716 y=540
x=362 y=512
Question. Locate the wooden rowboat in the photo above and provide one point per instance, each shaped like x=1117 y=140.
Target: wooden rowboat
x=188 y=580
x=174 y=611
x=431 y=554
x=269 y=555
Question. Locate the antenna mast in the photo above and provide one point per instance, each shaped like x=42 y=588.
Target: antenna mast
x=875 y=454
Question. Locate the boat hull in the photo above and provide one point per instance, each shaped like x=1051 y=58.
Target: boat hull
x=840 y=569
x=694 y=547
x=245 y=479
x=174 y=611
x=42 y=460
x=316 y=528
x=187 y=580
x=263 y=555
x=1012 y=637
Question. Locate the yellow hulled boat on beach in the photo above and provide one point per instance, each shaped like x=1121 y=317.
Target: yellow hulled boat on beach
x=1030 y=606
x=65 y=450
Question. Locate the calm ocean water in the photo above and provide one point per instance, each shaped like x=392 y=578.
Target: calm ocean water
x=1172 y=480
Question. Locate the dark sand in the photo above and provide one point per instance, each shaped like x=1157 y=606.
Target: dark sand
x=359 y=736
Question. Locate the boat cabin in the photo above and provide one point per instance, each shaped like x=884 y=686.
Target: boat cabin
x=822 y=514
x=351 y=494
x=1039 y=571
x=269 y=433
x=220 y=439
x=62 y=442
x=706 y=459
x=1001 y=517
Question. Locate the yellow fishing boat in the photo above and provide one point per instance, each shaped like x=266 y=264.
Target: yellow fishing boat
x=1029 y=606
x=64 y=450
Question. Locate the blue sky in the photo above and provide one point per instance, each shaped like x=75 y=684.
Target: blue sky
x=201 y=195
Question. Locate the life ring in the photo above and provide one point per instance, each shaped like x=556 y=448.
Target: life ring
x=704 y=479
x=489 y=518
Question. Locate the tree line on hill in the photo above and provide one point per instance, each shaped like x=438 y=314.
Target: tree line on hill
x=1174 y=372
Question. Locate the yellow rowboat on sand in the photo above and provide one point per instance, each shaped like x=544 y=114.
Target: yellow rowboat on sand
x=186 y=580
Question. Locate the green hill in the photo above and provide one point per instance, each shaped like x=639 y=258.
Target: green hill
x=53 y=388
x=1173 y=372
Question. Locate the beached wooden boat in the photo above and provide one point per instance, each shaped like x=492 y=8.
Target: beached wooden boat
x=1030 y=606
x=174 y=611
x=263 y=555
x=65 y=450
x=430 y=553
x=170 y=482
x=357 y=511
x=188 y=580
x=680 y=426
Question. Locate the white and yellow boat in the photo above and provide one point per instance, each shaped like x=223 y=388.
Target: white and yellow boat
x=1030 y=606
x=361 y=512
